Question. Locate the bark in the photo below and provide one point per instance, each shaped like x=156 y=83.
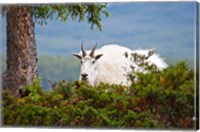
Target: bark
x=21 y=48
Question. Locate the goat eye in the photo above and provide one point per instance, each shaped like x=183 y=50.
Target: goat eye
x=81 y=62
x=93 y=62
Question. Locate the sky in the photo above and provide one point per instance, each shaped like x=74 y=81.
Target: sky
x=168 y=27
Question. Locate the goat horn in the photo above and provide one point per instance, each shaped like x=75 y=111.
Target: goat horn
x=83 y=50
x=93 y=49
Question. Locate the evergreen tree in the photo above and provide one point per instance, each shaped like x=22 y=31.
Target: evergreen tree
x=22 y=66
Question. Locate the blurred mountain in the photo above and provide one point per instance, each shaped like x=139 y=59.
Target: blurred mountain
x=169 y=27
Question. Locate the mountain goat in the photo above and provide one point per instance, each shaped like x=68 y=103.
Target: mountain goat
x=110 y=65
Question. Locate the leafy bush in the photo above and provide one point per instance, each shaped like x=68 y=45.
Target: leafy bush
x=158 y=99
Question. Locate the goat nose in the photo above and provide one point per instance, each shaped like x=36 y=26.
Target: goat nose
x=84 y=75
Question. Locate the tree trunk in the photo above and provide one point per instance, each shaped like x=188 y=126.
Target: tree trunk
x=21 y=48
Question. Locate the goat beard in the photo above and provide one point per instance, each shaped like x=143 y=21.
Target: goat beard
x=84 y=80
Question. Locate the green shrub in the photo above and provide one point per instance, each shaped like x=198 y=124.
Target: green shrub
x=158 y=99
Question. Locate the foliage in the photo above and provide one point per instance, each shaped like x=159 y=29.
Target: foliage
x=93 y=11
x=42 y=12
x=162 y=99
x=35 y=89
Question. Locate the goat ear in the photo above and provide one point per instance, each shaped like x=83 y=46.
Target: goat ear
x=98 y=56
x=77 y=55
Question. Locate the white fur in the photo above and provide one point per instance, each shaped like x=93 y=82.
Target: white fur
x=113 y=66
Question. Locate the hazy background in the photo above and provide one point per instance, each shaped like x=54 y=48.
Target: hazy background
x=169 y=27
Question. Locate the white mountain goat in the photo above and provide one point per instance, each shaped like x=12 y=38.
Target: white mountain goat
x=110 y=65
